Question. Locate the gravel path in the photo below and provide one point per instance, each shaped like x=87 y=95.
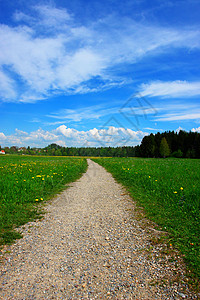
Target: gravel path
x=89 y=246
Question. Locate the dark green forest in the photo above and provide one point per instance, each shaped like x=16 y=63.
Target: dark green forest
x=167 y=144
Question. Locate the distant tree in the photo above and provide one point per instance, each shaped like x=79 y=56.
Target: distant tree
x=177 y=154
x=13 y=149
x=191 y=153
x=58 y=152
x=137 y=151
x=164 y=148
x=147 y=147
x=7 y=150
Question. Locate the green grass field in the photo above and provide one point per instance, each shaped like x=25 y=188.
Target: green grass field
x=169 y=192
x=26 y=181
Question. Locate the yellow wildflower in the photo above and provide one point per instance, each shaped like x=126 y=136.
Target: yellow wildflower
x=181 y=188
x=175 y=192
x=36 y=199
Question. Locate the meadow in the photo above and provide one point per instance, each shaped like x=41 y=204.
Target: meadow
x=169 y=192
x=26 y=182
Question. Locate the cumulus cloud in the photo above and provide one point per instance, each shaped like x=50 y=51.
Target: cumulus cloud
x=179 y=129
x=51 y=53
x=20 y=132
x=2 y=136
x=64 y=136
x=196 y=129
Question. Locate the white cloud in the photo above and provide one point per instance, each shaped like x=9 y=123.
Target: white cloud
x=179 y=129
x=20 y=132
x=196 y=130
x=2 y=136
x=62 y=135
x=84 y=113
x=54 y=54
x=153 y=129
x=178 y=110
x=52 y=16
x=7 y=92
x=97 y=111
x=174 y=89
x=178 y=117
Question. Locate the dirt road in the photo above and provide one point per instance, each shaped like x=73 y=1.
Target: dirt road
x=89 y=246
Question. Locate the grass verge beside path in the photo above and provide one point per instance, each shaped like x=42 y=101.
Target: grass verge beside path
x=26 y=181
x=169 y=192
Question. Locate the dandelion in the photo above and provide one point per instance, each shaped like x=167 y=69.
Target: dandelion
x=181 y=188
x=156 y=180
x=175 y=192
x=42 y=178
x=32 y=177
x=38 y=176
x=36 y=199
x=24 y=179
x=149 y=176
x=41 y=199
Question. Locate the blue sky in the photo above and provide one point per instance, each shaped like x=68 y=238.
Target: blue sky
x=97 y=73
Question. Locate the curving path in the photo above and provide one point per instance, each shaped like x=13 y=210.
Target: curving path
x=89 y=246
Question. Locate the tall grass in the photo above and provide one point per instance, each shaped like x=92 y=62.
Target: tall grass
x=169 y=192
x=26 y=181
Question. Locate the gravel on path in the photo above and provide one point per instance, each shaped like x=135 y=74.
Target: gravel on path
x=89 y=245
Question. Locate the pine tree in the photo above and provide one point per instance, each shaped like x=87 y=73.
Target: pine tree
x=164 y=148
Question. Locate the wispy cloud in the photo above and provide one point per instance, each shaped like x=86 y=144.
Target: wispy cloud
x=178 y=117
x=84 y=113
x=153 y=129
x=178 y=111
x=132 y=110
x=52 y=53
x=170 y=89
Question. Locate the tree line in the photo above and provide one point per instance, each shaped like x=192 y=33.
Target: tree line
x=175 y=144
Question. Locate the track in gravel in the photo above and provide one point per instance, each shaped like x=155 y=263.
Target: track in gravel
x=88 y=246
